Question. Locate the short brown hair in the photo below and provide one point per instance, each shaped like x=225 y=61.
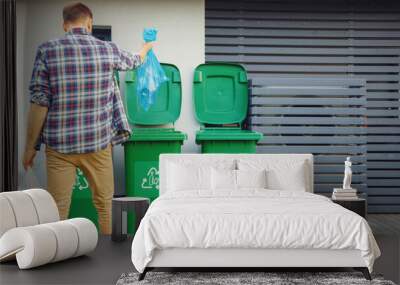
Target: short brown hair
x=76 y=11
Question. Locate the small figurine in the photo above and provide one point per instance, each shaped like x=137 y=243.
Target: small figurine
x=347 y=174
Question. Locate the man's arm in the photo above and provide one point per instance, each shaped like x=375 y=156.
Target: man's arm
x=36 y=118
x=125 y=60
x=40 y=100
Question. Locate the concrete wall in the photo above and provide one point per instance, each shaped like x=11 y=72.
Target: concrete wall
x=181 y=41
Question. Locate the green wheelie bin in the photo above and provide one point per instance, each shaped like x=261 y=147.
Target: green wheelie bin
x=152 y=134
x=220 y=95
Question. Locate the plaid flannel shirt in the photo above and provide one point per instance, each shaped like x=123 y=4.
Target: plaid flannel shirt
x=74 y=77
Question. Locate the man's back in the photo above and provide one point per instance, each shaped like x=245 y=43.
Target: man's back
x=73 y=77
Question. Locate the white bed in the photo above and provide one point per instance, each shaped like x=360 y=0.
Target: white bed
x=199 y=226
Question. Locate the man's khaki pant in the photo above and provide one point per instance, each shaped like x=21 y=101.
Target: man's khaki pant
x=98 y=169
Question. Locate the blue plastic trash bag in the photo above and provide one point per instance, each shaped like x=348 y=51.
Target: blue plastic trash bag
x=150 y=75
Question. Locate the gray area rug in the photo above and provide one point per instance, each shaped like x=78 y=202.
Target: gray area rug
x=236 y=278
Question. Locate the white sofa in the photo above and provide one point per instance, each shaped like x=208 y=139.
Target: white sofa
x=31 y=230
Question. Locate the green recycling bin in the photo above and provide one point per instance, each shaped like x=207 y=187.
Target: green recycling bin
x=81 y=201
x=220 y=95
x=151 y=135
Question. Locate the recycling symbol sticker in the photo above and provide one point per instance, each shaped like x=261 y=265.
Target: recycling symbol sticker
x=151 y=180
x=81 y=182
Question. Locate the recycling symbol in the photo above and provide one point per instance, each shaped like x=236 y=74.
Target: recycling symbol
x=151 y=180
x=81 y=182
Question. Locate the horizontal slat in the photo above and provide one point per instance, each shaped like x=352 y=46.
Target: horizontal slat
x=383 y=139
x=383 y=174
x=383 y=121
x=308 y=101
x=310 y=130
x=312 y=149
x=328 y=187
x=383 y=182
x=384 y=156
x=314 y=140
x=296 y=15
x=256 y=110
x=384 y=200
x=249 y=58
x=383 y=209
x=215 y=49
x=310 y=24
x=383 y=165
x=383 y=130
x=384 y=147
x=323 y=168
x=321 y=68
x=333 y=159
x=305 y=6
x=302 y=81
x=383 y=191
x=299 y=33
x=308 y=121
x=249 y=41
x=333 y=178
x=310 y=91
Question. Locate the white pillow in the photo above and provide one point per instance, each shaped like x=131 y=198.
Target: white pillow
x=251 y=178
x=284 y=174
x=182 y=177
x=223 y=179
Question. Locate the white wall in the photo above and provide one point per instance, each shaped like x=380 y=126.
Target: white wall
x=180 y=41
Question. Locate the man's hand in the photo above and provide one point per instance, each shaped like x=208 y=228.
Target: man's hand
x=29 y=156
x=145 y=49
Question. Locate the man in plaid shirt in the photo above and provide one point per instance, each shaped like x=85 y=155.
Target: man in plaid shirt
x=77 y=112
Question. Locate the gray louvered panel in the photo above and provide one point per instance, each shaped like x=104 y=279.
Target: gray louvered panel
x=324 y=39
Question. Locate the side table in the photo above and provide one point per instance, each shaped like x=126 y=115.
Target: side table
x=358 y=205
x=120 y=207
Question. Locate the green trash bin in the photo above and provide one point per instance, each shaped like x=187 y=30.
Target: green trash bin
x=220 y=95
x=81 y=201
x=151 y=135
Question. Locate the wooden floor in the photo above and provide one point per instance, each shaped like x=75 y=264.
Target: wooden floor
x=388 y=224
x=110 y=260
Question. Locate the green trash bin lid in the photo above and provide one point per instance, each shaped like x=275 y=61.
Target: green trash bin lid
x=220 y=93
x=156 y=134
x=167 y=106
x=227 y=134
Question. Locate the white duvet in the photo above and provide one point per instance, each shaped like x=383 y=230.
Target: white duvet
x=250 y=219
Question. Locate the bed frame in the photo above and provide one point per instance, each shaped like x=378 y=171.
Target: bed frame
x=241 y=259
